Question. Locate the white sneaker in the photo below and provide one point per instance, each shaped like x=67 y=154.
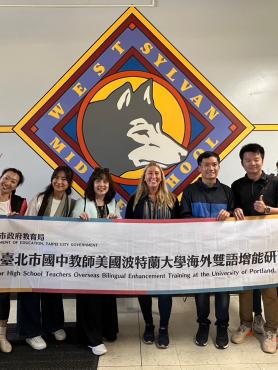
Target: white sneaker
x=269 y=344
x=37 y=343
x=60 y=334
x=241 y=333
x=98 y=350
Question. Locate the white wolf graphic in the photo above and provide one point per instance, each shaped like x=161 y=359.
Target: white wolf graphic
x=124 y=131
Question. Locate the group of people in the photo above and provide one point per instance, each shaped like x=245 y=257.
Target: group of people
x=254 y=194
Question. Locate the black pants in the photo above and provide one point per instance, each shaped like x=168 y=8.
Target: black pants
x=222 y=301
x=257 y=302
x=4 y=306
x=164 y=307
x=96 y=317
x=39 y=313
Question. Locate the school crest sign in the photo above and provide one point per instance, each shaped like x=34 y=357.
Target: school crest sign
x=132 y=98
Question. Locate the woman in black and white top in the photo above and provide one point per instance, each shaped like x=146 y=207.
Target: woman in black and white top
x=42 y=313
x=97 y=314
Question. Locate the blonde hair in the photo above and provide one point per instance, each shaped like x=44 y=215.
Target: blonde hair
x=163 y=196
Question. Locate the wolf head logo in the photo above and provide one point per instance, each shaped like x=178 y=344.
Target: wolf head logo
x=124 y=131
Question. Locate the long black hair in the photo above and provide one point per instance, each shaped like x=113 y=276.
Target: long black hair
x=49 y=189
x=98 y=174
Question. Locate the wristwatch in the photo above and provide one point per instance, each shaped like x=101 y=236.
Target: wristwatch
x=267 y=210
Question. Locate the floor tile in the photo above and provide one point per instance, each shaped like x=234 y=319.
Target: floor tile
x=129 y=353
x=152 y=356
x=12 y=316
x=221 y=367
x=119 y=367
x=69 y=310
x=167 y=367
x=126 y=350
x=268 y=366
x=162 y=367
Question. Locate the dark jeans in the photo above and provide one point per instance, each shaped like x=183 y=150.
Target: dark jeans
x=39 y=313
x=164 y=307
x=222 y=301
x=4 y=306
x=96 y=317
x=257 y=302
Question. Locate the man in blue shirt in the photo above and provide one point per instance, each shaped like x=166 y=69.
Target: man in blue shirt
x=209 y=198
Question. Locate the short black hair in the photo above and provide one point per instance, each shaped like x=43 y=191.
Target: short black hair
x=98 y=174
x=18 y=172
x=207 y=154
x=253 y=148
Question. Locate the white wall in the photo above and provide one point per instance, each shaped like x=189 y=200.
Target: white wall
x=233 y=43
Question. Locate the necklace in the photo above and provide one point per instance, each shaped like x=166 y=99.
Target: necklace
x=102 y=211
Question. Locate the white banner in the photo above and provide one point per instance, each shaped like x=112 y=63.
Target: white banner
x=137 y=257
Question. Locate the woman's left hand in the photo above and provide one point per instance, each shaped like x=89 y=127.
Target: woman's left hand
x=84 y=216
x=13 y=214
x=112 y=215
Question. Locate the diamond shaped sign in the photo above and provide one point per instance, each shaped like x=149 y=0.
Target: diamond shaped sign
x=130 y=99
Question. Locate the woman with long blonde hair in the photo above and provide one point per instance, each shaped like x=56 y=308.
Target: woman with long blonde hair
x=153 y=200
